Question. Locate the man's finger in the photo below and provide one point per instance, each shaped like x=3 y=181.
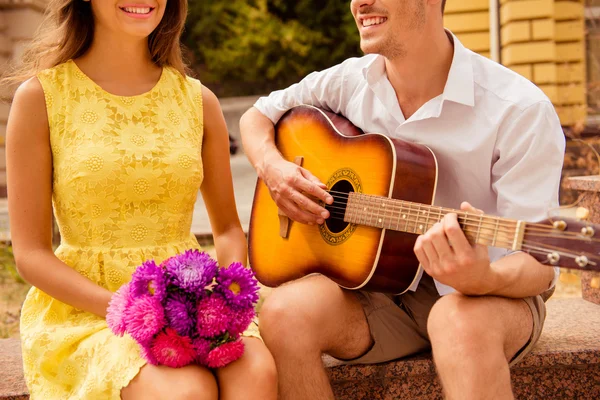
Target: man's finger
x=315 y=187
x=308 y=205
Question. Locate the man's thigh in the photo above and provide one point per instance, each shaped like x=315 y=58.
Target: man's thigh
x=513 y=325
x=314 y=311
x=398 y=324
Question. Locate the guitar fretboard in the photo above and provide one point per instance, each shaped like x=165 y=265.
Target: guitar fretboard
x=404 y=216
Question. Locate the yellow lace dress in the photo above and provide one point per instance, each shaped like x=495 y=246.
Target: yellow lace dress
x=126 y=176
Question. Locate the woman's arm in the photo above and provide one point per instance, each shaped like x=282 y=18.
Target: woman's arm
x=217 y=187
x=29 y=175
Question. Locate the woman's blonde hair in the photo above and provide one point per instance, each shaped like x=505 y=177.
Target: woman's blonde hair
x=68 y=29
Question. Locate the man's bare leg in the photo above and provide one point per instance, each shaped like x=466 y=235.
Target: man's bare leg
x=303 y=319
x=473 y=340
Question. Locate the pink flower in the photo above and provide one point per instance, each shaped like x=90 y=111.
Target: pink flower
x=213 y=317
x=145 y=318
x=146 y=352
x=225 y=354
x=115 y=313
x=202 y=347
x=172 y=350
x=240 y=321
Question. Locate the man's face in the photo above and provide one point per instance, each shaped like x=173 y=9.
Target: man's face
x=386 y=26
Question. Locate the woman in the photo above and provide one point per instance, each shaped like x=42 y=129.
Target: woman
x=109 y=130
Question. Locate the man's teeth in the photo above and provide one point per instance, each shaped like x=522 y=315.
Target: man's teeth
x=138 y=10
x=374 y=21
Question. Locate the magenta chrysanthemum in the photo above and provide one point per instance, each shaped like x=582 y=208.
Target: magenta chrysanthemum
x=173 y=350
x=146 y=352
x=149 y=279
x=240 y=320
x=202 y=347
x=213 y=317
x=145 y=317
x=225 y=354
x=115 y=313
x=180 y=312
x=238 y=285
x=191 y=271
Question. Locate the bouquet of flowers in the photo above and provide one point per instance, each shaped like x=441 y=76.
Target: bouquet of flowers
x=187 y=310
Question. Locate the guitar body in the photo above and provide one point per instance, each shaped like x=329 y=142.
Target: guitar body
x=341 y=156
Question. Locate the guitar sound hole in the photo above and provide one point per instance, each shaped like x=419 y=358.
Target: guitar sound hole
x=340 y=192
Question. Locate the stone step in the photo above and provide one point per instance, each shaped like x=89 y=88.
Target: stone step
x=565 y=364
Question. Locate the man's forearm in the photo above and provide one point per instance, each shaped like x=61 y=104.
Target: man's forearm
x=258 y=135
x=519 y=275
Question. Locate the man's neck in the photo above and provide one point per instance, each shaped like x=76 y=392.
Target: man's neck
x=421 y=73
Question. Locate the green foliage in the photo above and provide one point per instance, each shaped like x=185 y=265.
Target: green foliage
x=8 y=268
x=243 y=47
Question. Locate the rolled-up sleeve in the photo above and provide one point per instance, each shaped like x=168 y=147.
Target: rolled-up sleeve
x=527 y=172
x=321 y=89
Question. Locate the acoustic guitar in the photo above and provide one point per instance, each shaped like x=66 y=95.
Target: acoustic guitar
x=383 y=189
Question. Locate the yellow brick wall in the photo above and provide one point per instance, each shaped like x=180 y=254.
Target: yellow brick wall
x=570 y=89
x=544 y=40
x=469 y=20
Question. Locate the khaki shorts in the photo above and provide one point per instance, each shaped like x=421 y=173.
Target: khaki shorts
x=398 y=324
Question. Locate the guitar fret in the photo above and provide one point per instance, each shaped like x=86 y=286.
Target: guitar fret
x=363 y=205
x=349 y=209
x=369 y=206
x=496 y=232
x=479 y=229
x=418 y=216
x=407 y=217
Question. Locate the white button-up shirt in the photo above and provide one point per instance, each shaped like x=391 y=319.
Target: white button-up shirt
x=497 y=138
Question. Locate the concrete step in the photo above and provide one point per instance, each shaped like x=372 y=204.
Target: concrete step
x=565 y=364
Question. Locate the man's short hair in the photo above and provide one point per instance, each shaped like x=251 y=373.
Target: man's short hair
x=443 y=5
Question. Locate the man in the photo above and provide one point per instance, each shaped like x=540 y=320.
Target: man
x=499 y=145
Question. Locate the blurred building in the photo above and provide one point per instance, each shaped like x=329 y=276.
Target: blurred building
x=553 y=43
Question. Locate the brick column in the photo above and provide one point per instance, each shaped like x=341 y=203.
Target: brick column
x=469 y=20
x=544 y=40
x=570 y=89
x=527 y=39
x=19 y=19
x=590 y=187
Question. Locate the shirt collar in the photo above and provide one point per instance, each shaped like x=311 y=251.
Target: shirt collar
x=460 y=85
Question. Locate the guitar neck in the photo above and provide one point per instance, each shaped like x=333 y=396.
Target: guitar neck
x=404 y=216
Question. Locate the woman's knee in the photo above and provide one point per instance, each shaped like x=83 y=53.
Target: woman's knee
x=159 y=382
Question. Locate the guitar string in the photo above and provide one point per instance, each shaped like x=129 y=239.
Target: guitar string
x=538 y=248
x=484 y=221
x=341 y=212
x=505 y=242
x=408 y=222
x=395 y=204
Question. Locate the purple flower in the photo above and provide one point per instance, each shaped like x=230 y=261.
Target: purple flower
x=145 y=318
x=238 y=285
x=181 y=313
x=191 y=271
x=213 y=317
x=115 y=314
x=172 y=350
x=149 y=279
x=225 y=354
x=240 y=321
